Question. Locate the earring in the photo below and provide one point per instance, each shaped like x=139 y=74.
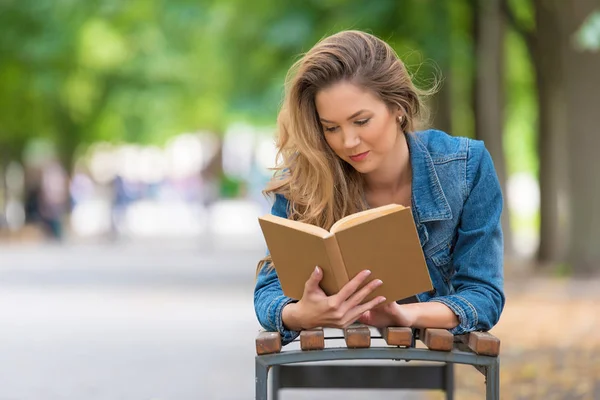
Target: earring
x=400 y=118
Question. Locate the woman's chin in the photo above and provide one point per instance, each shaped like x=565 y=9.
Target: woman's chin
x=362 y=168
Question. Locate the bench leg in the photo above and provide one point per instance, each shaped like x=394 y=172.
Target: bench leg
x=449 y=381
x=261 y=374
x=275 y=382
x=492 y=381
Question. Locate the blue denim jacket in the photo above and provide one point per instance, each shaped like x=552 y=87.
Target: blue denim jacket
x=456 y=205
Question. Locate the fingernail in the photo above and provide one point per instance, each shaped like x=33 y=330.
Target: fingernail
x=367 y=272
x=382 y=300
x=317 y=269
x=379 y=282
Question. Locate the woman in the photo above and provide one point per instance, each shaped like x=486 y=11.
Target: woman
x=348 y=141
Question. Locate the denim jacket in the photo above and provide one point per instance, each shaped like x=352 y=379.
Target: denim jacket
x=456 y=206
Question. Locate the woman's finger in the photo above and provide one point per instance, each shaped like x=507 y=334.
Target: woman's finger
x=365 y=318
x=359 y=296
x=312 y=283
x=363 y=308
x=350 y=287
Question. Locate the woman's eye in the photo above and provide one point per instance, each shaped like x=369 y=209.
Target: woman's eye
x=362 y=122
x=331 y=129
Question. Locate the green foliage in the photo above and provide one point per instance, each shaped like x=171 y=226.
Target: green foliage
x=524 y=13
x=230 y=187
x=144 y=70
x=462 y=68
x=563 y=270
x=520 y=135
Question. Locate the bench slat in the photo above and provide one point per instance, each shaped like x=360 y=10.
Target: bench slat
x=483 y=343
x=268 y=343
x=437 y=339
x=397 y=336
x=357 y=336
x=312 y=339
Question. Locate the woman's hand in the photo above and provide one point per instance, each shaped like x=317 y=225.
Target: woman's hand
x=391 y=314
x=413 y=315
x=316 y=309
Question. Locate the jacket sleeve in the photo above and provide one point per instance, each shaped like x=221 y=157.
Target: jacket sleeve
x=478 y=281
x=269 y=299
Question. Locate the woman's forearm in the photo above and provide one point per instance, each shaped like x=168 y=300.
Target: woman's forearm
x=289 y=317
x=431 y=315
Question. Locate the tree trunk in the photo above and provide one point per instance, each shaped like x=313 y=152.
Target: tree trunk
x=488 y=92
x=441 y=105
x=437 y=45
x=68 y=139
x=547 y=48
x=583 y=98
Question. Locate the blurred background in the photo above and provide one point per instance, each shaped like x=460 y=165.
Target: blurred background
x=136 y=138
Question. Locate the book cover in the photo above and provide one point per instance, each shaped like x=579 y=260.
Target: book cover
x=383 y=240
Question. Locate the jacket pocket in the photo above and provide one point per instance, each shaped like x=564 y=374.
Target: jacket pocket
x=442 y=259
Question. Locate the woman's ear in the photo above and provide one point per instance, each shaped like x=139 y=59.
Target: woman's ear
x=399 y=111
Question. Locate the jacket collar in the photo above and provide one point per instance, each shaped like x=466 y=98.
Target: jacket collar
x=428 y=199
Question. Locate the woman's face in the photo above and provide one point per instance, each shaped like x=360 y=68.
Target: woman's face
x=357 y=125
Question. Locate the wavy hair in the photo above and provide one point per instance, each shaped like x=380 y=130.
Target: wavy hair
x=320 y=187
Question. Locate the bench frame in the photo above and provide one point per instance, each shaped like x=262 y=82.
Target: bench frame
x=313 y=374
x=426 y=376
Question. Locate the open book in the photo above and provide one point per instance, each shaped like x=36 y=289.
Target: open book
x=383 y=240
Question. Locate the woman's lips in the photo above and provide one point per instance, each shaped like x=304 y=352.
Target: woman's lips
x=359 y=157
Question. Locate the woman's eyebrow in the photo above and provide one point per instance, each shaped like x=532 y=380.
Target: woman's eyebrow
x=356 y=114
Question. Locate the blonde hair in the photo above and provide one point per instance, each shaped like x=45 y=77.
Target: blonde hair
x=319 y=186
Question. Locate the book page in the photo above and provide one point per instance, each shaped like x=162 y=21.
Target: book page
x=299 y=226
x=363 y=216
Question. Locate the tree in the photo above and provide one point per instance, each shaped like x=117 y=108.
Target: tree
x=544 y=42
x=582 y=98
x=566 y=79
x=488 y=99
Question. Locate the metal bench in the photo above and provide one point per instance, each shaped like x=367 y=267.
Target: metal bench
x=307 y=367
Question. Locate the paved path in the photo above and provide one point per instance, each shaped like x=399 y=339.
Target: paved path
x=131 y=322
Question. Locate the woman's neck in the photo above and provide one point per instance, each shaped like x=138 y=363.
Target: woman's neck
x=395 y=173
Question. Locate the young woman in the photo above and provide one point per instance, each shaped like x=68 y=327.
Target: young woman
x=348 y=140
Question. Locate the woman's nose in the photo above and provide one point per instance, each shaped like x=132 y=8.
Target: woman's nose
x=351 y=139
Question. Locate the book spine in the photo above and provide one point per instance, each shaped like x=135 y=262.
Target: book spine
x=337 y=262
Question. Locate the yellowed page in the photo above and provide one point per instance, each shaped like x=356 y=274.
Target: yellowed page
x=300 y=226
x=363 y=216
